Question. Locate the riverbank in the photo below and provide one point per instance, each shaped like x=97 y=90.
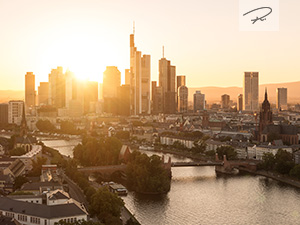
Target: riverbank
x=275 y=176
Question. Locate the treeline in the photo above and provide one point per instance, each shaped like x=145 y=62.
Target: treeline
x=282 y=163
x=98 y=152
x=66 y=127
x=103 y=204
x=146 y=174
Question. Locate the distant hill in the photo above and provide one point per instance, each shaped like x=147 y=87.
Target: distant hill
x=213 y=94
x=7 y=95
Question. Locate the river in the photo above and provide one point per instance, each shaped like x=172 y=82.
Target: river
x=198 y=196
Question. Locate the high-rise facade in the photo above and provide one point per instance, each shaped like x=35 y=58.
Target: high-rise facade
x=251 y=91
x=110 y=85
x=240 y=102
x=199 y=101
x=181 y=81
x=43 y=93
x=157 y=98
x=15 y=112
x=127 y=76
x=183 y=93
x=3 y=113
x=90 y=96
x=225 y=100
x=57 y=88
x=124 y=100
x=281 y=99
x=140 y=78
x=167 y=75
x=30 y=90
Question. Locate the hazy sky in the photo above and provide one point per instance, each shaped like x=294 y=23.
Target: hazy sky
x=201 y=38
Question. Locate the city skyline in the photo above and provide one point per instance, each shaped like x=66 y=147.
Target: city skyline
x=87 y=44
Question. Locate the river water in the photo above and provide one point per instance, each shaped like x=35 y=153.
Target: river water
x=198 y=196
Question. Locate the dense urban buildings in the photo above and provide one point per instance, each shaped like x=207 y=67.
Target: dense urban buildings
x=183 y=93
x=30 y=90
x=199 y=101
x=281 y=99
x=43 y=93
x=251 y=91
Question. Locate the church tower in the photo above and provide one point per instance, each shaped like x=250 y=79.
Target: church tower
x=23 y=126
x=265 y=116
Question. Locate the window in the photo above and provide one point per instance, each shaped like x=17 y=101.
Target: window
x=45 y=222
x=8 y=214
x=35 y=220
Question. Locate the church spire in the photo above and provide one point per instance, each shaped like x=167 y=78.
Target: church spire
x=23 y=127
x=266 y=94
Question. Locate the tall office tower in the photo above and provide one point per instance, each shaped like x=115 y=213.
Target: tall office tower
x=111 y=82
x=180 y=82
x=29 y=90
x=251 y=91
x=157 y=98
x=127 y=76
x=90 y=96
x=183 y=93
x=74 y=99
x=43 y=93
x=240 y=103
x=199 y=101
x=15 y=112
x=124 y=100
x=281 y=99
x=140 y=77
x=57 y=88
x=3 y=114
x=225 y=100
x=167 y=74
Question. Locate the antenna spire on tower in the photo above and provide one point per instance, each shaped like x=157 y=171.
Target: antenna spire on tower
x=163 y=51
x=133 y=27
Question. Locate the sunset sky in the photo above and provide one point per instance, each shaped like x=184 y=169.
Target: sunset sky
x=201 y=38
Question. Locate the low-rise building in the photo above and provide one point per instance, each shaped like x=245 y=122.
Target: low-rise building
x=32 y=214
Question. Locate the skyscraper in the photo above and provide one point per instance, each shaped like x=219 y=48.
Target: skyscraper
x=29 y=90
x=180 y=81
x=127 y=76
x=57 y=88
x=199 y=101
x=124 y=100
x=240 y=102
x=90 y=96
x=225 y=100
x=281 y=99
x=43 y=93
x=183 y=99
x=111 y=83
x=140 y=77
x=157 y=98
x=251 y=91
x=167 y=74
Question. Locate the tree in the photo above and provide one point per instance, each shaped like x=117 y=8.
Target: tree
x=227 y=150
x=200 y=145
x=269 y=161
x=295 y=172
x=147 y=174
x=37 y=166
x=45 y=126
x=17 y=151
x=106 y=206
x=78 y=222
x=284 y=161
x=19 y=181
x=123 y=135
